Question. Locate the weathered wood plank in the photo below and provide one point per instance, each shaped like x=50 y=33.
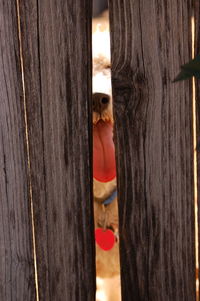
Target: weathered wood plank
x=153 y=121
x=197 y=88
x=57 y=60
x=16 y=253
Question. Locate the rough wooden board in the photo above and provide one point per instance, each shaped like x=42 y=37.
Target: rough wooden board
x=57 y=59
x=197 y=50
x=16 y=253
x=150 y=40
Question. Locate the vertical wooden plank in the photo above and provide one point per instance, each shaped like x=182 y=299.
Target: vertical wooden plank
x=197 y=88
x=16 y=253
x=56 y=38
x=153 y=121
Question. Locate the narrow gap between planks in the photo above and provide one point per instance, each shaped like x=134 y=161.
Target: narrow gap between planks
x=27 y=149
x=195 y=161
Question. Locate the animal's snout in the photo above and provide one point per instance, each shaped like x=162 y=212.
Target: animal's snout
x=100 y=102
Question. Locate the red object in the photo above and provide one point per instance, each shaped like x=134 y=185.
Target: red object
x=104 y=167
x=105 y=238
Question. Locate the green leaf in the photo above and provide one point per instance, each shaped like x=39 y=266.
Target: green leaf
x=189 y=69
x=182 y=75
x=193 y=65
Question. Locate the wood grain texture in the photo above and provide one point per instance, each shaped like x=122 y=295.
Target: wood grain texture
x=197 y=88
x=16 y=254
x=56 y=38
x=153 y=125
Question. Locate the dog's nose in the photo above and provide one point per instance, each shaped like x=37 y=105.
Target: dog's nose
x=100 y=102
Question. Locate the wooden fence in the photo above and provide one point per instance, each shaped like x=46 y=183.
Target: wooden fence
x=46 y=149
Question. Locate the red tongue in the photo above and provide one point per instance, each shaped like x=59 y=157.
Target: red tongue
x=104 y=169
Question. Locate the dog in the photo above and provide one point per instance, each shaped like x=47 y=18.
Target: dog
x=104 y=168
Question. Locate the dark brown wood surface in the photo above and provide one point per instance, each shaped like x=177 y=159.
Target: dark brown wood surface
x=56 y=39
x=16 y=252
x=154 y=146
x=197 y=92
